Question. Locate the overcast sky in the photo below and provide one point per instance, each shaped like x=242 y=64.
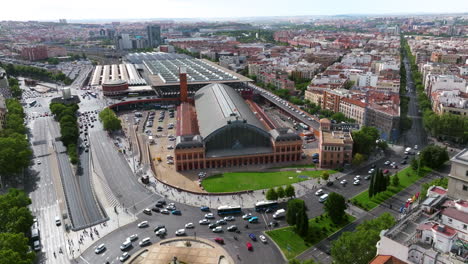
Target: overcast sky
x=120 y=9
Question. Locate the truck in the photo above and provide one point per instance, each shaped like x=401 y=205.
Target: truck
x=279 y=213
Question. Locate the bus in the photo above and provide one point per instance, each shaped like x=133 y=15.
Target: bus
x=263 y=205
x=227 y=209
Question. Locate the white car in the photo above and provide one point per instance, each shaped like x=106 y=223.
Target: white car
x=415 y=146
x=356 y=182
x=161 y=232
x=319 y=192
x=189 y=225
x=247 y=216
x=387 y=162
x=204 y=222
x=38 y=162
x=262 y=238
x=132 y=237
x=229 y=218
x=217 y=229
x=143 y=224
x=165 y=211
x=209 y=216
x=357 y=178
x=180 y=232
x=145 y=241
x=125 y=245
x=99 y=249
x=343 y=182
x=124 y=257
x=371 y=171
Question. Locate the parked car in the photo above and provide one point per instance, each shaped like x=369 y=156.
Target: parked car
x=132 y=237
x=221 y=222
x=156 y=209
x=165 y=211
x=319 y=192
x=213 y=225
x=158 y=227
x=232 y=228
x=176 y=212
x=205 y=208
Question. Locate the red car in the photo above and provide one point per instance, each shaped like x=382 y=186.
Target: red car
x=219 y=240
x=386 y=171
x=249 y=246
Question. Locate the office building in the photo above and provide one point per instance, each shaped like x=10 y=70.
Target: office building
x=154 y=35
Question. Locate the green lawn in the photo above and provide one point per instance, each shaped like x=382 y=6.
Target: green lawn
x=407 y=177
x=292 y=244
x=240 y=181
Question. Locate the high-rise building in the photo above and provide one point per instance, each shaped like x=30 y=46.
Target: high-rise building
x=154 y=35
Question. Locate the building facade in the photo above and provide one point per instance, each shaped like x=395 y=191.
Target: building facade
x=458 y=177
x=154 y=35
x=3 y=111
x=222 y=131
x=336 y=147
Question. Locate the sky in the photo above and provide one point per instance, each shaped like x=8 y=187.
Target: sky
x=141 y=9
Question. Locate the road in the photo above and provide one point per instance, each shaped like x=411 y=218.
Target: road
x=416 y=135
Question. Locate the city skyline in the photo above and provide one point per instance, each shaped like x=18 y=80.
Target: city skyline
x=51 y=10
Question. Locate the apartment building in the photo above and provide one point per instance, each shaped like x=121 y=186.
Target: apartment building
x=458 y=177
x=336 y=146
x=354 y=109
x=454 y=102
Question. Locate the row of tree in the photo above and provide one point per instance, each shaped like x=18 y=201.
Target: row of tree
x=15 y=221
x=15 y=153
x=14 y=87
x=444 y=126
x=360 y=246
x=66 y=116
x=273 y=194
x=110 y=120
x=431 y=156
x=36 y=73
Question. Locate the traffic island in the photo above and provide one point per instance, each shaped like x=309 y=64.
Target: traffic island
x=186 y=250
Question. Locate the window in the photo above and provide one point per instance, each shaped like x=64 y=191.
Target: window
x=466 y=173
x=465 y=188
x=464 y=227
x=450 y=220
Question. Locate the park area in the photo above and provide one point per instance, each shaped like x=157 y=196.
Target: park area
x=291 y=244
x=407 y=177
x=241 y=181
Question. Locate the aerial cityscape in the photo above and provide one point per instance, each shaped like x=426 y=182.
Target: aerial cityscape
x=221 y=132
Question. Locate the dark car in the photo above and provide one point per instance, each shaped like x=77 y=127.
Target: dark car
x=329 y=183
x=205 y=208
x=253 y=237
x=403 y=162
x=176 y=212
x=212 y=225
x=269 y=210
x=219 y=240
x=156 y=209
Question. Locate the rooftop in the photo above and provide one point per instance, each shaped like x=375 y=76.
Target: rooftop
x=336 y=137
x=461 y=158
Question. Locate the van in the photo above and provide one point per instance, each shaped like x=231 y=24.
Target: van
x=323 y=198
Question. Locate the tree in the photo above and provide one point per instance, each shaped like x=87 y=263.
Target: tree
x=302 y=223
x=14 y=249
x=396 y=180
x=110 y=120
x=289 y=191
x=371 y=185
x=433 y=156
x=348 y=84
x=335 y=207
x=339 y=117
x=414 y=163
x=382 y=144
x=271 y=195
x=280 y=191
x=358 y=159
x=442 y=182
x=15 y=216
x=365 y=140
x=15 y=153
x=360 y=246
x=325 y=175
x=295 y=206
